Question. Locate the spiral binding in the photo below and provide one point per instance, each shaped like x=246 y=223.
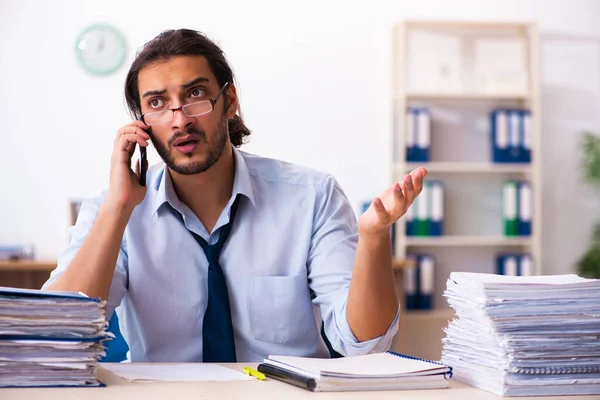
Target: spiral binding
x=448 y=374
x=588 y=369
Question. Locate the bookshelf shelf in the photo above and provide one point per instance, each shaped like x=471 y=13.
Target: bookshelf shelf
x=466 y=167
x=469 y=27
x=465 y=96
x=400 y=264
x=467 y=241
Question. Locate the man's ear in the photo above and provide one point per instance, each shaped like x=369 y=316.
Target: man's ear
x=232 y=100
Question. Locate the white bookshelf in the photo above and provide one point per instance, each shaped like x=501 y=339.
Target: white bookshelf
x=467 y=241
x=460 y=98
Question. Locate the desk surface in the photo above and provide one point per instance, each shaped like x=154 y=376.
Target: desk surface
x=116 y=388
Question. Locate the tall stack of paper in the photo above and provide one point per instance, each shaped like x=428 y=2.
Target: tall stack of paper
x=49 y=338
x=524 y=335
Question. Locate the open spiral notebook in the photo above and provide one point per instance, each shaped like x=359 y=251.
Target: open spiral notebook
x=380 y=371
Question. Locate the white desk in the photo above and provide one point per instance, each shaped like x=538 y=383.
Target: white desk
x=116 y=388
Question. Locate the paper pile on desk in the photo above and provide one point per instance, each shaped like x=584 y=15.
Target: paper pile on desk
x=49 y=338
x=524 y=336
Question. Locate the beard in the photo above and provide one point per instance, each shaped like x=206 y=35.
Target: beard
x=190 y=167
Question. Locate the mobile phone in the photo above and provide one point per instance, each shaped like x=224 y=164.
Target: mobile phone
x=143 y=161
x=143 y=165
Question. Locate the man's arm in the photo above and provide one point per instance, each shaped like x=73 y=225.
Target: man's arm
x=91 y=270
x=372 y=300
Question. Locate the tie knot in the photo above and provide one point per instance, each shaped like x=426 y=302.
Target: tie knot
x=213 y=252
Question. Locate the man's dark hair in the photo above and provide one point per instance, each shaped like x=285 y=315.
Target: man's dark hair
x=183 y=42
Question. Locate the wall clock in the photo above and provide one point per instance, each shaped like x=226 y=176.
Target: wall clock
x=100 y=49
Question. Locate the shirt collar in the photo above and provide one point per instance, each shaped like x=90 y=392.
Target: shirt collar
x=165 y=193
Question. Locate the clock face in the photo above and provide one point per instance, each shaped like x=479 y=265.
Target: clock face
x=101 y=49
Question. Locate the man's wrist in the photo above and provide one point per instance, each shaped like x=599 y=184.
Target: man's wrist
x=376 y=238
x=116 y=210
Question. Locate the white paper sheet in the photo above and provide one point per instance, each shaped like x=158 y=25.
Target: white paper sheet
x=185 y=372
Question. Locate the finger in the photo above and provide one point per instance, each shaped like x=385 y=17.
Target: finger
x=131 y=138
x=127 y=143
x=136 y=131
x=418 y=176
x=419 y=173
x=408 y=189
x=399 y=199
x=380 y=210
x=127 y=130
x=137 y=167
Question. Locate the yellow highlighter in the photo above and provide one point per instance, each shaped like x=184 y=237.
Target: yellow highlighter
x=252 y=372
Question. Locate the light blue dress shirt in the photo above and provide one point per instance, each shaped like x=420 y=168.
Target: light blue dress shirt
x=288 y=263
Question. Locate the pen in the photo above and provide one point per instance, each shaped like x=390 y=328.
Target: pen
x=252 y=372
x=288 y=377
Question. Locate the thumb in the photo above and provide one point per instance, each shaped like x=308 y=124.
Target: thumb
x=380 y=210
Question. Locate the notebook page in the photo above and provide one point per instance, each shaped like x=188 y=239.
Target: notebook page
x=380 y=364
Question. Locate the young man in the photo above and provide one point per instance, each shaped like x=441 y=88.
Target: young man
x=227 y=256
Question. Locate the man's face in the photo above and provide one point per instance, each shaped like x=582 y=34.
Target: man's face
x=188 y=145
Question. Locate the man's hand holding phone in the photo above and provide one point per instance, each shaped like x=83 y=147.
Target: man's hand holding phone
x=128 y=188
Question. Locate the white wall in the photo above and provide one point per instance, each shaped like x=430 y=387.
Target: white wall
x=314 y=78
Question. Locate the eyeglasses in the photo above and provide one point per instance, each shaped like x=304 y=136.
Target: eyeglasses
x=190 y=110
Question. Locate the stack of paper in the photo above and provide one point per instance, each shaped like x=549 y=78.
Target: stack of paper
x=524 y=336
x=49 y=338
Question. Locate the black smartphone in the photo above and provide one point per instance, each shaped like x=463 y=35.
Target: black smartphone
x=143 y=165
x=143 y=161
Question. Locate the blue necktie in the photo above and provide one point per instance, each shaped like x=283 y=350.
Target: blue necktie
x=218 y=344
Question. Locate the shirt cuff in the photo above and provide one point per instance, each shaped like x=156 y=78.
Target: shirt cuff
x=350 y=346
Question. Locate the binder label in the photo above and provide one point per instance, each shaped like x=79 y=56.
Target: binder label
x=525 y=202
x=510 y=200
x=410 y=281
x=422 y=202
x=514 y=130
x=526 y=265
x=423 y=134
x=510 y=266
x=427 y=269
x=437 y=201
x=410 y=128
x=501 y=130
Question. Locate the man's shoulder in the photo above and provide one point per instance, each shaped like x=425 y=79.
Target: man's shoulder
x=283 y=172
